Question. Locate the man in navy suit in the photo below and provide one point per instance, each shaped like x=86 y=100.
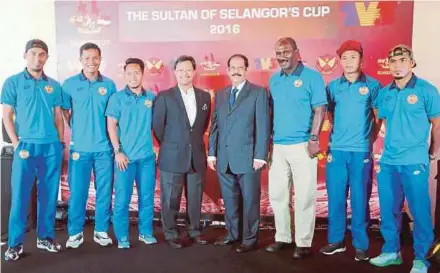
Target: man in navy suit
x=180 y=119
x=238 y=144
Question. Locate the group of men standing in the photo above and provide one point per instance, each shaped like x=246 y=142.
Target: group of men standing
x=250 y=128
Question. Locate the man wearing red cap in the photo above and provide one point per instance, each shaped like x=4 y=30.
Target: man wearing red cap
x=409 y=106
x=352 y=110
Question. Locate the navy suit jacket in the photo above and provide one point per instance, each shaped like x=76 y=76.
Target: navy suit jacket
x=240 y=134
x=180 y=143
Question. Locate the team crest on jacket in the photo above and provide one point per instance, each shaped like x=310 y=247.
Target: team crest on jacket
x=102 y=91
x=23 y=154
x=48 y=89
x=298 y=83
x=329 y=158
x=412 y=99
x=363 y=90
x=75 y=156
x=148 y=103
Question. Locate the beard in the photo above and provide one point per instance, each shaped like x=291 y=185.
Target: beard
x=398 y=77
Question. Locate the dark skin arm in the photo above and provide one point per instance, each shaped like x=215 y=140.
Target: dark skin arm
x=318 y=117
x=435 y=137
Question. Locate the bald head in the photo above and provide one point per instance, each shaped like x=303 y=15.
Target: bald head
x=287 y=40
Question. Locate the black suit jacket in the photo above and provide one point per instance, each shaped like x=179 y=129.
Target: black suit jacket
x=180 y=143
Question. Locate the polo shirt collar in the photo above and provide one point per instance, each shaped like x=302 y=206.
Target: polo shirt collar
x=128 y=91
x=82 y=77
x=362 y=78
x=28 y=75
x=410 y=84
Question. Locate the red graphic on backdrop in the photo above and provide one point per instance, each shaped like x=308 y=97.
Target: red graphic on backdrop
x=154 y=66
x=88 y=18
x=384 y=69
x=327 y=64
x=209 y=64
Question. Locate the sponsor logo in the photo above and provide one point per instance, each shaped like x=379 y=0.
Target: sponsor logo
x=266 y=63
x=369 y=13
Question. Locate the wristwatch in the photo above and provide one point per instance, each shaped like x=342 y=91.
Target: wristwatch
x=432 y=157
x=313 y=137
x=118 y=151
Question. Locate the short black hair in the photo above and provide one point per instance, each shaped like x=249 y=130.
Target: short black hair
x=185 y=58
x=245 y=59
x=135 y=61
x=88 y=46
x=288 y=40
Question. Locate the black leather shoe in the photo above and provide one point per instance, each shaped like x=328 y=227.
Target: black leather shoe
x=224 y=241
x=246 y=248
x=302 y=252
x=175 y=243
x=277 y=246
x=199 y=240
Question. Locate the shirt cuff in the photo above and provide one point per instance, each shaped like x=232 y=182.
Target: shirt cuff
x=260 y=160
x=212 y=158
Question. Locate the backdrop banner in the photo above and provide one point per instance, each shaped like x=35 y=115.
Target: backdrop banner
x=211 y=31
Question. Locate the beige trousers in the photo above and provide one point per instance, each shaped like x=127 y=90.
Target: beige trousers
x=291 y=165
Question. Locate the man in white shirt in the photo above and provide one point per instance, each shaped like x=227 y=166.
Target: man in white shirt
x=180 y=120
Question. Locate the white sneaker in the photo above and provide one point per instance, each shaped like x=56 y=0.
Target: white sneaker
x=102 y=238
x=48 y=244
x=75 y=241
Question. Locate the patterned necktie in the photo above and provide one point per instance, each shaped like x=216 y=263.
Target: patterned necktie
x=232 y=97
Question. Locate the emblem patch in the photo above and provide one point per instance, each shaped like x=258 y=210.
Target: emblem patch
x=102 y=91
x=363 y=90
x=148 y=103
x=412 y=99
x=75 y=156
x=48 y=89
x=23 y=154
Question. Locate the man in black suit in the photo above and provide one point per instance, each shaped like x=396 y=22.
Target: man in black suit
x=180 y=119
x=238 y=144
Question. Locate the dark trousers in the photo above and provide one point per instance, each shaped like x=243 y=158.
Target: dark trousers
x=237 y=186
x=171 y=187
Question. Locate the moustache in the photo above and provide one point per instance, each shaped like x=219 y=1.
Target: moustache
x=236 y=74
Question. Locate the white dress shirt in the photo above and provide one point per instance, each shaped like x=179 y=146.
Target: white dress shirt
x=239 y=87
x=189 y=99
